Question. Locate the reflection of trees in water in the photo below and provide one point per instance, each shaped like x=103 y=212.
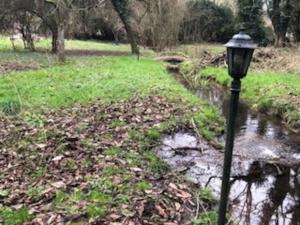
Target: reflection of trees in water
x=276 y=195
x=262 y=127
x=243 y=114
x=255 y=176
x=296 y=195
x=273 y=205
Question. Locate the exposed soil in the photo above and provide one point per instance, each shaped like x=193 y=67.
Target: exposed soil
x=96 y=53
x=46 y=159
x=16 y=66
x=173 y=59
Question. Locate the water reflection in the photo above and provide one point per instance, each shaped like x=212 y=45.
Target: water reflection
x=268 y=195
x=250 y=123
x=265 y=187
x=261 y=192
x=280 y=204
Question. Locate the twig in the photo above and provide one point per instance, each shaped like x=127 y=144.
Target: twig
x=196 y=130
x=198 y=206
x=184 y=148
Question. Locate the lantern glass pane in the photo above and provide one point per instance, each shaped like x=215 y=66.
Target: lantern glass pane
x=248 y=57
x=229 y=59
x=239 y=61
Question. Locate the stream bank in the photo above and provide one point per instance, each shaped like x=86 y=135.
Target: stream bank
x=265 y=180
x=274 y=93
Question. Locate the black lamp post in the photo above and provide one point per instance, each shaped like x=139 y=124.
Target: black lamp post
x=239 y=54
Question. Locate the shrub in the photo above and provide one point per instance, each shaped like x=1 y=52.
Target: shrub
x=207 y=21
x=250 y=15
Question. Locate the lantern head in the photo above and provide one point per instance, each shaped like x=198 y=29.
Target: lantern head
x=239 y=54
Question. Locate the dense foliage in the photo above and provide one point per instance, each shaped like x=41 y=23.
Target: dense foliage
x=250 y=15
x=207 y=21
x=295 y=21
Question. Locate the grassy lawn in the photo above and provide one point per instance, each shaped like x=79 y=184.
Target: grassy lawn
x=273 y=92
x=76 y=141
x=106 y=78
x=43 y=44
x=43 y=58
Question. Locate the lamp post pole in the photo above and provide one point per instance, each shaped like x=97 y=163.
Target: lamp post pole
x=239 y=54
x=234 y=103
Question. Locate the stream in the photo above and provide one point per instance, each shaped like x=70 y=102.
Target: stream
x=265 y=182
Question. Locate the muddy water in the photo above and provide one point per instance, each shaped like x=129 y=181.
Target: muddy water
x=265 y=185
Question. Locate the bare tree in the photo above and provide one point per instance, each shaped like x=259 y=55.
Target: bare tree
x=159 y=22
x=125 y=13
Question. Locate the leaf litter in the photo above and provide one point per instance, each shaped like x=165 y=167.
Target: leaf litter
x=90 y=165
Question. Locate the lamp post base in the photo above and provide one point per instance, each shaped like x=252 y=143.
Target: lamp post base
x=234 y=102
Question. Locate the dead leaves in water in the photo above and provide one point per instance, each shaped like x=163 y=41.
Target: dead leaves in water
x=52 y=163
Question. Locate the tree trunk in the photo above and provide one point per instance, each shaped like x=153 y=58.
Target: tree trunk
x=29 y=39
x=61 y=43
x=54 y=40
x=280 y=40
x=132 y=37
x=12 y=40
x=280 y=18
x=122 y=8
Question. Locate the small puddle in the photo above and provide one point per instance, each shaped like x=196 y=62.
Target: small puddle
x=265 y=183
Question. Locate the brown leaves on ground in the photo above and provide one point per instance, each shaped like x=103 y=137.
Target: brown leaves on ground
x=16 y=66
x=96 y=53
x=264 y=59
x=88 y=165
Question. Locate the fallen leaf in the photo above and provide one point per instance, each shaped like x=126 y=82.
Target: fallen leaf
x=59 y=185
x=183 y=194
x=57 y=158
x=177 y=206
x=115 y=216
x=131 y=222
x=161 y=211
x=41 y=146
x=38 y=221
x=173 y=186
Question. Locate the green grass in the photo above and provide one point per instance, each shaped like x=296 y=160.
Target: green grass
x=5 y=44
x=91 y=79
x=83 y=80
x=80 y=81
x=43 y=57
x=14 y=217
x=266 y=91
